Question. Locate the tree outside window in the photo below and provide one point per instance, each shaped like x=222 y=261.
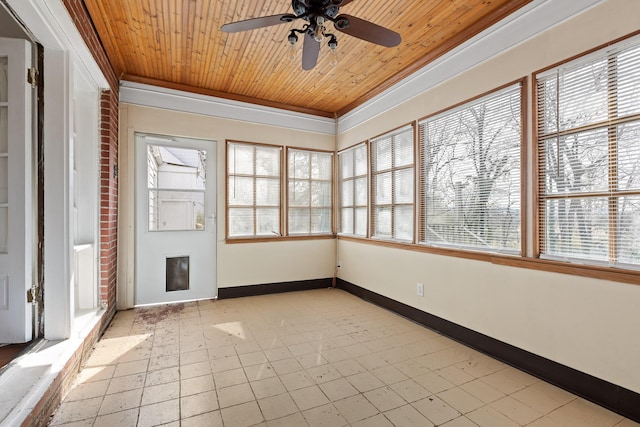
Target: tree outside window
x=589 y=157
x=470 y=182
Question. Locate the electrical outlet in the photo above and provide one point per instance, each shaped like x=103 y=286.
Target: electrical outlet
x=420 y=289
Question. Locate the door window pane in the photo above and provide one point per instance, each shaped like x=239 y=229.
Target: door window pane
x=176 y=183
x=176 y=210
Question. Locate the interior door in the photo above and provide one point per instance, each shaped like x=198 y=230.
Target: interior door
x=175 y=219
x=15 y=192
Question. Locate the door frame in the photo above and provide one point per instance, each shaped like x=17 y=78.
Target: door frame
x=131 y=123
x=65 y=51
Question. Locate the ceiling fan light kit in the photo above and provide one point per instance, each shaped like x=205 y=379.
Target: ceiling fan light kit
x=317 y=13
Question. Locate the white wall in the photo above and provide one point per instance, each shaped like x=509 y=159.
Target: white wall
x=240 y=263
x=588 y=324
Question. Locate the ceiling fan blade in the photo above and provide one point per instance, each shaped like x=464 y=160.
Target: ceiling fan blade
x=368 y=31
x=310 y=52
x=254 y=23
x=345 y=2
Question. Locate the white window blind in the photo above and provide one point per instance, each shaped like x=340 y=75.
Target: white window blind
x=253 y=190
x=392 y=185
x=353 y=190
x=470 y=174
x=589 y=157
x=310 y=175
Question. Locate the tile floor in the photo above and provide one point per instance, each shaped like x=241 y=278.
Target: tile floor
x=314 y=358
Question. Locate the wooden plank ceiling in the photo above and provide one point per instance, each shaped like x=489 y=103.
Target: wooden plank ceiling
x=179 y=44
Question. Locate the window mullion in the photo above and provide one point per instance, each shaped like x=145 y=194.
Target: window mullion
x=255 y=191
x=310 y=205
x=612 y=100
x=353 y=193
x=393 y=187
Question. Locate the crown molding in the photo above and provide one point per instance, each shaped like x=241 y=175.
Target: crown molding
x=172 y=99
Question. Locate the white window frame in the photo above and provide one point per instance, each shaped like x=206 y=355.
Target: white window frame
x=85 y=195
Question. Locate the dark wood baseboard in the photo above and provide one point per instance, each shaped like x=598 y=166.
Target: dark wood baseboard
x=273 y=288
x=611 y=396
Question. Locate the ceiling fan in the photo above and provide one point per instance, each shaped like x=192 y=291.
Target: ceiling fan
x=317 y=13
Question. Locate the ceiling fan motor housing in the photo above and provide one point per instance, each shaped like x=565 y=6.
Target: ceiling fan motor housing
x=309 y=8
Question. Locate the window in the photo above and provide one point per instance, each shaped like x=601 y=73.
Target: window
x=253 y=190
x=310 y=175
x=470 y=180
x=589 y=158
x=176 y=183
x=353 y=190
x=392 y=188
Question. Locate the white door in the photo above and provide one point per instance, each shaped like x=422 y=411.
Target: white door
x=15 y=192
x=175 y=219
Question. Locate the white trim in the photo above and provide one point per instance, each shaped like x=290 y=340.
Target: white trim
x=171 y=99
x=51 y=25
x=525 y=23
x=32 y=374
x=58 y=237
x=65 y=55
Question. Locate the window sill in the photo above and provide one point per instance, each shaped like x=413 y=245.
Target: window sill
x=614 y=274
x=234 y=240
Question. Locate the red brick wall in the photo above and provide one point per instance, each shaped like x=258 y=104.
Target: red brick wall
x=108 y=155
